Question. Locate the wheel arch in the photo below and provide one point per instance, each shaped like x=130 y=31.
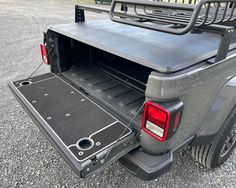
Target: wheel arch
x=218 y=113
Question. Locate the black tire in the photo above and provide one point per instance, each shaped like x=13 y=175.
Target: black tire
x=214 y=154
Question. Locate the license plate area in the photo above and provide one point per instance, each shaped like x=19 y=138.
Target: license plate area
x=79 y=127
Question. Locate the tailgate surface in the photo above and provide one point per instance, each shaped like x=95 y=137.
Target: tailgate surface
x=70 y=115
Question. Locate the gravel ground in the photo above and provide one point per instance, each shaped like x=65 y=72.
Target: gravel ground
x=26 y=158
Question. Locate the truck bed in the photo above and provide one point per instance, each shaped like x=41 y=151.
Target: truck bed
x=105 y=87
x=160 y=51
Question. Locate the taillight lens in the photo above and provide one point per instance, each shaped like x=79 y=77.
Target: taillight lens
x=157 y=115
x=161 y=122
x=44 y=53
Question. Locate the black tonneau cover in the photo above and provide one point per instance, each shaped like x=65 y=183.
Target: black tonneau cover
x=160 y=51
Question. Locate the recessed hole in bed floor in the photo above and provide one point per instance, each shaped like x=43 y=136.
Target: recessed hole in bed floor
x=25 y=83
x=85 y=144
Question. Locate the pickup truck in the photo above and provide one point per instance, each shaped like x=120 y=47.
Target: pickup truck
x=153 y=79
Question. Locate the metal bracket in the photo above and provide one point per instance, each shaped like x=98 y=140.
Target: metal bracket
x=79 y=14
x=226 y=32
x=224 y=44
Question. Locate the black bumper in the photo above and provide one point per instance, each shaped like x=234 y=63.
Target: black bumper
x=145 y=166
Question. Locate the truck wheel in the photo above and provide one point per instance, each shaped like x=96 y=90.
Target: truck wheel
x=216 y=153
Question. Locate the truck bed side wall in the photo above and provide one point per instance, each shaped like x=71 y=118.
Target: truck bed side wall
x=198 y=89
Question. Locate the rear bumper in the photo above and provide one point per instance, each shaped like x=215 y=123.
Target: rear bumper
x=145 y=166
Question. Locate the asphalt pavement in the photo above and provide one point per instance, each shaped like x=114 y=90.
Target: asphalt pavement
x=27 y=159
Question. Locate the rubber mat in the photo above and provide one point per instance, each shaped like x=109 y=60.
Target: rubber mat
x=82 y=126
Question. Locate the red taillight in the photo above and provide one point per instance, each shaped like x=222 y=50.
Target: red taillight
x=44 y=53
x=157 y=115
x=160 y=122
x=177 y=120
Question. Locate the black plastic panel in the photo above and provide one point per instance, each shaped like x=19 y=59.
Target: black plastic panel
x=145 y=166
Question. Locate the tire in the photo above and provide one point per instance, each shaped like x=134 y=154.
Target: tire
x=216 y=153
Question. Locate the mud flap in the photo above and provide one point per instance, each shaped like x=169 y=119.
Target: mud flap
x=81 y=130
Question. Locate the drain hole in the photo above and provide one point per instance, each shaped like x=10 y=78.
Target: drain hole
x=25 y=83
x=85 y=144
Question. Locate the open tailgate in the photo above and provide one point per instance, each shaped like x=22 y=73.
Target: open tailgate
x=82 y=131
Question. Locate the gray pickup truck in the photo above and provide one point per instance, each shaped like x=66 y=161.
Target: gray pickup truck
x=155 y=78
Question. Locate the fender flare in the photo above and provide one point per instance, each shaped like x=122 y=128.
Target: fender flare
x=219 y=111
